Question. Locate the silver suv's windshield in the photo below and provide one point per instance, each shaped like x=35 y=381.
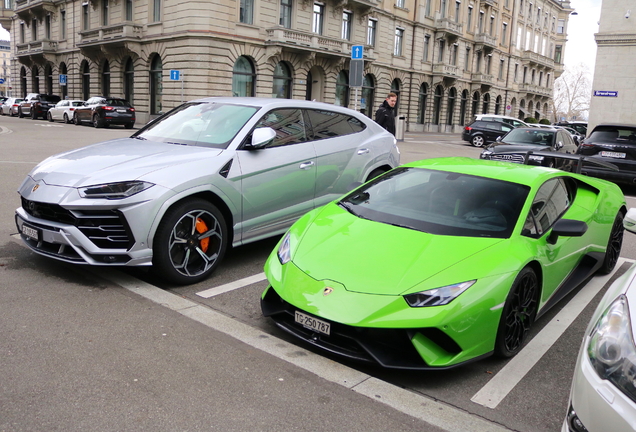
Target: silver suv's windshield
x=199 y=124
x=439 y=202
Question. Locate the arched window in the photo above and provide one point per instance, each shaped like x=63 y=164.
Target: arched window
x=463 y=105
x=129 y=81
x=35 y=80
x=106 y=79
x=48 y=76
x=522 y=109
x=308 y=87
x=421 y=103
x=452 y=96
x=243 y=78
x=395 y=88
x=23 y=82
x=86 y=81
x=475 y=104
x=64 y=88
x=486 y=103
x=437 y=104
x=342 y=89
x=497 y=105
x=282 y=85
x=367 y=102
x=156 y=85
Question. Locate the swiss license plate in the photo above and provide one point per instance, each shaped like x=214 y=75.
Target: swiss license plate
x=31 y=232
x=121 y=110
x=617 y=155
x=313 y=323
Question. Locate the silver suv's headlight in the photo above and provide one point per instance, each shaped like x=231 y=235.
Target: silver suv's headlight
x=611 y=349
x=118 y=190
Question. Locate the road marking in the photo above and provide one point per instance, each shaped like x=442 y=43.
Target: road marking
x=232 y=286
x=418 y=406
x=513 y=372
x=48 y=125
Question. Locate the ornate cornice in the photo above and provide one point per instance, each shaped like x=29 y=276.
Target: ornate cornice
x=615 y=39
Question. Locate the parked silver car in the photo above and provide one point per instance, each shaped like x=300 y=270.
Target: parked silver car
x=10 y=106
x=64 y=110
x=210 y=173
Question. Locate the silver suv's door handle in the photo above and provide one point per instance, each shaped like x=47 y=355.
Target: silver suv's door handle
x=306 y=165
x=363 y=151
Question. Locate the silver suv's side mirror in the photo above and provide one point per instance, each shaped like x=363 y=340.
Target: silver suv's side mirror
x=261 y=137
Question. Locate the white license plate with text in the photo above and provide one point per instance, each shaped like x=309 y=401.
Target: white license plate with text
x=617 y=155
x=312 y=323
x=31 y=232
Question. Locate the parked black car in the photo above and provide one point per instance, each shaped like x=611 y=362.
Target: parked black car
x=103 y=111
x=37 y=105
x=480 y=133
x=579 y=126
x=514 y=145
x=615 y=143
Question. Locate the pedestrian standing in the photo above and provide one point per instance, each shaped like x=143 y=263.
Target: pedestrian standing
x=385 y=115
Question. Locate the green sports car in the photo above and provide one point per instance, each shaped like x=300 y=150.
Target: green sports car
x=442 y=261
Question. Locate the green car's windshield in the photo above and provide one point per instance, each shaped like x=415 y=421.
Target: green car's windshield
x=199 y=124
x=530 y=136
x=440 y=202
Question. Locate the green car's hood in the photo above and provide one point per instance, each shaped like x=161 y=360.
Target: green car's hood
x=376 y=258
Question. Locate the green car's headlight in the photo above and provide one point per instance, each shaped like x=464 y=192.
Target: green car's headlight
x=284 y=250
x=611 y=349
x=437 y=296
x=114 y=190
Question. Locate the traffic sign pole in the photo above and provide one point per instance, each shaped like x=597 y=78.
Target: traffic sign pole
x=356 y=69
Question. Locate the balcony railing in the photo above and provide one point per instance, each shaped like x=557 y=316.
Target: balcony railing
x=533 y=57
x=482 y=78
x=447 y=70
x=36 y=47
x=110 y=34
x=448 y=26
x=535 y=89
x=6 y=12
x=288 y=37
x=486 y=39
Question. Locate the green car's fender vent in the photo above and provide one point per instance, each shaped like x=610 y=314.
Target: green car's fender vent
x=391 y=348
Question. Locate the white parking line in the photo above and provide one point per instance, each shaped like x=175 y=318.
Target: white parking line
x=513 y=372
x=232 y=286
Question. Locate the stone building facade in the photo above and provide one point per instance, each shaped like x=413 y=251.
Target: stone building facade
x=614 y=84
x=446 y=59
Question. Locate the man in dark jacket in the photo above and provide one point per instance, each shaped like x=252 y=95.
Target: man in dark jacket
x=385 y=115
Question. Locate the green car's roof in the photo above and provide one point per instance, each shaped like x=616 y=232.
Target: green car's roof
x=506 y=171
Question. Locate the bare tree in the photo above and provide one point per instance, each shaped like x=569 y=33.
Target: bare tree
x=572 y=93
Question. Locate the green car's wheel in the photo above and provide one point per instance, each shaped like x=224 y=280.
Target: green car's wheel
x=190 y=242
x=614 y=244
x=518 y=314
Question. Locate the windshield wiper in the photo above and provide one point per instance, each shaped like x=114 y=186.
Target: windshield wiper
x=348 y=207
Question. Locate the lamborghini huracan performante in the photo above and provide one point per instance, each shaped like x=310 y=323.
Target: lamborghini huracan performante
x=442 y=261
x=209 y=174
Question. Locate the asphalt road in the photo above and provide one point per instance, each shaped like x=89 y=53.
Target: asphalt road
x=99 y=349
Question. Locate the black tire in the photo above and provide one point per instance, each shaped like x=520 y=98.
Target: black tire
x=33 y=115
x=66 y=119
x=179 y=248
x=98 y=122
x=76 y=120
x=478 y=141
x=376 y=172
x=614 y=245
x=20 y=114
x=518 y=314
x=49 y=116
x=129 y=125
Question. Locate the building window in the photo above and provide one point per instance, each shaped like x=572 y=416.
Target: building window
x=491 y=30
x=421 y=104
x=538 y=16
x=540 y=78
x=372 y=27
x=285 y=13
x=246 y=11
x=395 y=88
x=47 y=26
x=525 y=74
x=457 y=8
x=63 y=24
x=454 y=49
x=504 y=33
x=440 y=53
x=48 y=77
x=427 y=44
x=486 y=103
x=437 y=104
x=342 y=89
x=547 y=80
x=347 y=19
x=22 y=32
x=129 y=81
x=368 y=96
x=463 y=104
x=561 y=26
x=521 y=7
x=488 y=61
x=281 y=87
x=85 y=17
x=129 y=11
x=428 y=7
x=442 y=8
x=469 y=18
x=400 y=3
x=497 y=105
x=516 y=72
x=156 y=10
x=105 y=12
x=478 y=66
x=34 y=30
x=243 y=78
x=35 y=80
x=467 y=60
x=319 y=15
x=452 y=96
x=86 y=81
x=501 y=68
x=106 y=79
x=480 y=23
x=399 y=40
x=156 y=85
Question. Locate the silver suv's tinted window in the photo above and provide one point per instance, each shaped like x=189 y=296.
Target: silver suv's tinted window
x=289 y=125
x=327 y=124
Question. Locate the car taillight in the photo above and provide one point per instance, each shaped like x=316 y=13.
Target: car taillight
x=71 y=109
x=108 y=108
x=131 y=109
x=15 y=105
x=468 y=128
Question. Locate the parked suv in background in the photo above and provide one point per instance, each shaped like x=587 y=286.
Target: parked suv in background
x=614 y=143
x=502 y=118
x=480 y=133
x=37 y=105
x=103 y=111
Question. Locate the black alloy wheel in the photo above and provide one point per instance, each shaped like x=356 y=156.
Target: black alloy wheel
x=76 y=120
x=518 y=314
x=614 y=244
x=66 y=120
x=49 y=116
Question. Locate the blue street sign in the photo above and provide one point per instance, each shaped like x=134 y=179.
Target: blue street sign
x=1 y=80
x=357 y=52
x=607 y=93
x=62 y=79
x=175 y=75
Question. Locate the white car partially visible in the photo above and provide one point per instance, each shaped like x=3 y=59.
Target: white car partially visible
x=603 y=394
x=63 y=110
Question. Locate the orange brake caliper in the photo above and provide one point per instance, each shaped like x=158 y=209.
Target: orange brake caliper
x=201 y=227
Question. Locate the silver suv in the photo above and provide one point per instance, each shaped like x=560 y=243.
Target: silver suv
x=209 y=174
